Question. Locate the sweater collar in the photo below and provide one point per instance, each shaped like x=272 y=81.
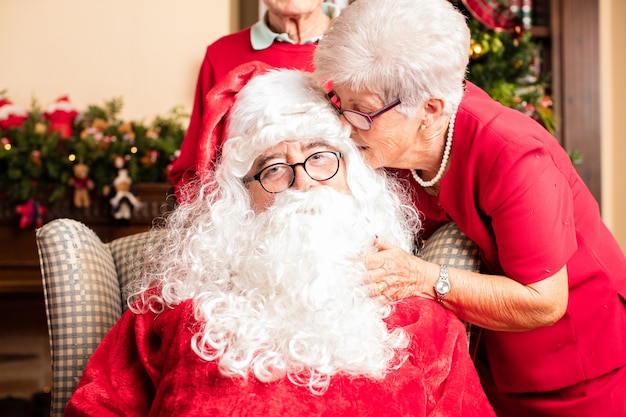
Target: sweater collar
x=262 y=37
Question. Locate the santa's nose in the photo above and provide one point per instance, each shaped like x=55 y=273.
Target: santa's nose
x=302 y=180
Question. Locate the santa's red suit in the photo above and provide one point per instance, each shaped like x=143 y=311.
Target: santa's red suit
x=145 y=367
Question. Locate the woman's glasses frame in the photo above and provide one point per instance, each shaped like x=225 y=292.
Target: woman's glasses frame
x=360 y=120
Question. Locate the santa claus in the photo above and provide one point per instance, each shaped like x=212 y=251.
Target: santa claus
x=255 y=300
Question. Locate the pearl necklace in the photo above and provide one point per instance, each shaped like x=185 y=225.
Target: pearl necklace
x=444 y=160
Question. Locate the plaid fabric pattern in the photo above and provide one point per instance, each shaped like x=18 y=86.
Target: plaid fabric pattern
x=127 y=255
x=82 y=294
x=448 y=245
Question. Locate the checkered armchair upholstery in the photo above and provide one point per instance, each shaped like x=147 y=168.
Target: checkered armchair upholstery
x=83 y=280
x=84 y=277
x=448 y=245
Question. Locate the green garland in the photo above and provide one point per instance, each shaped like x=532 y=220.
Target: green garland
x=36 y=163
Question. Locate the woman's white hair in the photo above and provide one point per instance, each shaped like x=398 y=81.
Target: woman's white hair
x=196 y=253
x=407 y=49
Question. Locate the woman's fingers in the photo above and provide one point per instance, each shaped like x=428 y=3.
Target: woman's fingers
x=391 y=272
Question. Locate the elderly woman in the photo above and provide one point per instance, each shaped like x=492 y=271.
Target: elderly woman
x=550 y=295
x=253 y=301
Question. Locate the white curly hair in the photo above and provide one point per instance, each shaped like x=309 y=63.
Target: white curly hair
x=279 y=293
x=407 y=49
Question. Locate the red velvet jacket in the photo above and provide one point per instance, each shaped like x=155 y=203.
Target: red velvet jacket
x=145 y=367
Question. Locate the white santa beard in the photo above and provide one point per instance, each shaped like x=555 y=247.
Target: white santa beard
x=296 y=305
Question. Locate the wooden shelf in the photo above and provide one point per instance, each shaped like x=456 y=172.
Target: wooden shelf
x=19 y=260
x=540 y=31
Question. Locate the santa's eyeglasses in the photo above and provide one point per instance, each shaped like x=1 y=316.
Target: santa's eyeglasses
x=360 y=120
x=276 y=178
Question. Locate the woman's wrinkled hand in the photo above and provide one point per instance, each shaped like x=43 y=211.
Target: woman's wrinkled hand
x=394 y=274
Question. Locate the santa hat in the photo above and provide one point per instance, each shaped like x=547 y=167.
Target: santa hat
x=218 y=102
x=10 y=114
x=61 y=114
x=278 y=106
x=256 y=107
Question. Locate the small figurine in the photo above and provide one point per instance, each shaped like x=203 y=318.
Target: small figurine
x=82 y=184
x=123 y=202
x=10 y=114
x=61 y=115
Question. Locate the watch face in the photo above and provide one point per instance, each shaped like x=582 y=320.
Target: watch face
x=442 y=287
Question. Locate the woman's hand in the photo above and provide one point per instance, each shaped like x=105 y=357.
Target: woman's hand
x=394 y=274
x=494 y=302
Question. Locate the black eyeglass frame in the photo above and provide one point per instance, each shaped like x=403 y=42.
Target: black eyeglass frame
x=257 y=176
x=369 y=117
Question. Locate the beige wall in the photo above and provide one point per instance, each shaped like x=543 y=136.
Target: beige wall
x=146 y=51
x=613 y=109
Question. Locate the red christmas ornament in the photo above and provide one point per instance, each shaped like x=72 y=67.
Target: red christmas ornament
x=31 y=212
x=11 y=115
x=61 y=115
x=546 y=101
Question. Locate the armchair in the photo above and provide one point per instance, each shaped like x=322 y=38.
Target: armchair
x=83 y=280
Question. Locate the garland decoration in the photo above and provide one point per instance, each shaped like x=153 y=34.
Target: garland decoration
x=39 y=149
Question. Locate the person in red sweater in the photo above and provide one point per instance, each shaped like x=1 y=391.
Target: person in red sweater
x=550 y=297
x=286 y=37
x=252 y=302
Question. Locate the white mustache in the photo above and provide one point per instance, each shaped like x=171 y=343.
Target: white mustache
x=321 y=216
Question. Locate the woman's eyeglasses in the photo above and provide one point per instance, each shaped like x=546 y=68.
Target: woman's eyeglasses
x=360 y=120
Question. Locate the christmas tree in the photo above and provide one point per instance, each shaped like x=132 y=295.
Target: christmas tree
x=505 y=59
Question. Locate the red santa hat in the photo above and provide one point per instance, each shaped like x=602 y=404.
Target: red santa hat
x=218 y=103
x=10 y=114
x=61 y=114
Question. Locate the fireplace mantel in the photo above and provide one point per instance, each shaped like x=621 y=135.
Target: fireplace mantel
x=19 y=260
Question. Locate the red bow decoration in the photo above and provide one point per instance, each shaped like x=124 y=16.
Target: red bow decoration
x=31 y=212
x=494 y=14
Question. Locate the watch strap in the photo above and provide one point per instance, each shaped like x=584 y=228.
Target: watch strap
x=442 y=286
